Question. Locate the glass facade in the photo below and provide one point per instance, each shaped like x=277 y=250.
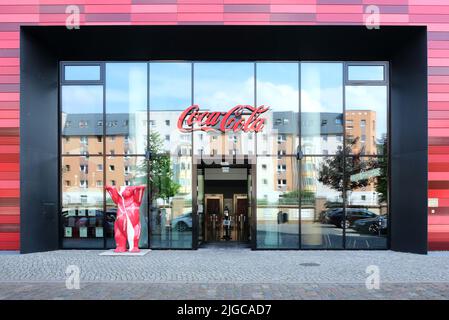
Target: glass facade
x=320 y=161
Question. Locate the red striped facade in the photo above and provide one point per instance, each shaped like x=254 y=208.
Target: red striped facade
x=432 y=13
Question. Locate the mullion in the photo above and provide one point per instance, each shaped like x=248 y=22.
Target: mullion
x=103 y=75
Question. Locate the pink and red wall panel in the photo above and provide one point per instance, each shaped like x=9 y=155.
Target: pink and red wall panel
x=432 y=13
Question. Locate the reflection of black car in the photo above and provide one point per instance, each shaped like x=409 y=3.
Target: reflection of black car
x=372 y=225
x=111 y=215
x=325 y=214
x=335 y=216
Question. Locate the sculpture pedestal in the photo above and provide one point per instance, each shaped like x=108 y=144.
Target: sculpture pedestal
x=127 y=253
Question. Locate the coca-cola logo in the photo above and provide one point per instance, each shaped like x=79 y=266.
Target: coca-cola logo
x=244 y=118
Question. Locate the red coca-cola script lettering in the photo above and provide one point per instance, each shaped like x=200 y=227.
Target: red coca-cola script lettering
x=244 y=118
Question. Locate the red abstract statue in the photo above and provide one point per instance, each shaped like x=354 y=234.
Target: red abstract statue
x=127 y=224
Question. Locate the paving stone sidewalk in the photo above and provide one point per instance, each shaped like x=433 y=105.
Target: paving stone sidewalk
x=225 y=274
x=222 y=291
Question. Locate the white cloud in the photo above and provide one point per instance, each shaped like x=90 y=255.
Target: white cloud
x=82 y=99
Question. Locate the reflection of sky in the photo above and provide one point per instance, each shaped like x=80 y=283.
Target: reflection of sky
x=170 y=86
x=366 y=73
x=126 y=87
x=82 y=72
x=221 y=86
x=82 y=99
x=277 y=86
x=321 y=87
x=369 y=98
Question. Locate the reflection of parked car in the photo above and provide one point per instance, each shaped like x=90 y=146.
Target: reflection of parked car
x=111 y=215
x=335 y=216
x=183 y=222
x=325 y=214
x=372 y=225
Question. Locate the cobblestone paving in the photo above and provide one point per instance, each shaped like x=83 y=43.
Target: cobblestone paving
x=226 y=274
x=226 y=291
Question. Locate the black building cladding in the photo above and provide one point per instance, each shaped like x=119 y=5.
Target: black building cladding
x=403 y=47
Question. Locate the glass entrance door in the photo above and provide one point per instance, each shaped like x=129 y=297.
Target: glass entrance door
x=241 y=217
x=213 y=217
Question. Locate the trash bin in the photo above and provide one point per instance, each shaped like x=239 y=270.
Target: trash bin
x=285 y=217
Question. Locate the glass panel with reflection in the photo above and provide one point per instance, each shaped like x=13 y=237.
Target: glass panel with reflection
x=321 y=202
x=366 y=120
x=170 y=94
x=277 y=203
x=278 y=88
x=219 y=87
x=171 y=209
x=321 y=108
x=366 y=203
x=366 y=73
x=126 y=108
x=82 y=201
x=82 y=73
x=122 y=172
x=81 y=119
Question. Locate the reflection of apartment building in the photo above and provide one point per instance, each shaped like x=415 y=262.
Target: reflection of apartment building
x=127 y=134
x=126 y=137
x=164 y=123
x=322 y=132
x=83 y=134
x=82 y=180
x=361 y=124
x=285 y=132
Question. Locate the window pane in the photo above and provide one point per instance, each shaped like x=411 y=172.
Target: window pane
x=171 y=210
x=126 y=108
x=81 y=112
x=221 y=86
x=82 y=202
x=321 y=202
x=277 y=203
x=366 y=120
x=82 y=73
x=170 y=85
x=321 y=108
x=277 y=87
x=368 y=73
x=366 y=203
x=170 y=95
x=124 y=173
x=213 y=146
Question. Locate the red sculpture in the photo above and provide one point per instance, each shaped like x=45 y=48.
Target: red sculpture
x=127 y=223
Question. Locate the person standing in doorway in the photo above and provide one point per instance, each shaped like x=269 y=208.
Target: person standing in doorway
x=226 y=224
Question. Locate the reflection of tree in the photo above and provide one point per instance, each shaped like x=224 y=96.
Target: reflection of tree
x=332 y=168
x=295 y=195
x=160 y=170
x=382 y=164
x=382 y=180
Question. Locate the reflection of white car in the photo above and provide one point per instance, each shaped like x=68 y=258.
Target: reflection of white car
x=84 y=198
x=182 y=223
